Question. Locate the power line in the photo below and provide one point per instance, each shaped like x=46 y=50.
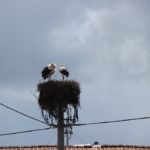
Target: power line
x=79 y=138
x=113 y=121
x=52 y=137
x=82 y=124
x=22 y=113
x=27 y=131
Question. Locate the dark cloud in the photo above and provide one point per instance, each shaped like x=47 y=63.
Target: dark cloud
x=104 y=45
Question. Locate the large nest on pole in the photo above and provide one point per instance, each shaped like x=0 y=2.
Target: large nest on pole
x=54 y=93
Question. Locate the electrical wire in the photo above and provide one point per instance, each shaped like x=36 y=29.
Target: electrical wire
x=79 y=138
x=51 y=138
x=22 y=113
x=113 y=121
x=27 y=131
x=81 y=124
x=55 y=126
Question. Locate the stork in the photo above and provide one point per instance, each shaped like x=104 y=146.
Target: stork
x=48 y=71
x=63 y=71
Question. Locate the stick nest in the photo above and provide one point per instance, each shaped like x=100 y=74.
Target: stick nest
x=54 y=92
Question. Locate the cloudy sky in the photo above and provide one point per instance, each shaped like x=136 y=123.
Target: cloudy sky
x=105 y=45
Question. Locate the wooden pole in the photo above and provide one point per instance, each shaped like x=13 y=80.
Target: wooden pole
x=61 y=128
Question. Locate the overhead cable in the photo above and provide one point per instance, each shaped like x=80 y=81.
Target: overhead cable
x=22 y=113
x=27 y=131
x=113 y=121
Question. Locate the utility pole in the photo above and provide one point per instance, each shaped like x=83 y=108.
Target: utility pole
x=60 y=128
x=56 y=98
x=68 y=132
x=67 y=136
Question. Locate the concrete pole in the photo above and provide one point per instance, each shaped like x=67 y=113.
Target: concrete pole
x=61 y=128
x=67 y=136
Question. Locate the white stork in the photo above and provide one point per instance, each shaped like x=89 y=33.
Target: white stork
x=63 y=71
x=48 y=71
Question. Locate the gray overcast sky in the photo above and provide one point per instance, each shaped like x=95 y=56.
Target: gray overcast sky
x=105 y=45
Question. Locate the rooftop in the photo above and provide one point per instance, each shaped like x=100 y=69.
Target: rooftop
x=77 y=147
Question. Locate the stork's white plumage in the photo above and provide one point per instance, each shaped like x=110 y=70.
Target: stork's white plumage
x=48 y=71
x=63 y=71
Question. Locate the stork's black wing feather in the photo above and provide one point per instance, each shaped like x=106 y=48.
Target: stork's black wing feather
x=45 y=73
x=65 y=72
